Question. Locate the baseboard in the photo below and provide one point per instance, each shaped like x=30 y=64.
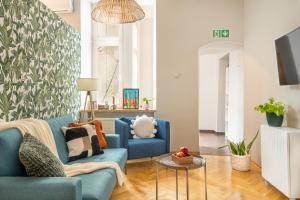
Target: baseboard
x=211 y=131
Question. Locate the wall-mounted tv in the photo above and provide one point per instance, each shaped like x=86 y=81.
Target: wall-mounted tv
x=288 y=58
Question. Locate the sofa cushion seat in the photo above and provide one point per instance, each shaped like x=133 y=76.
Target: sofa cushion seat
x=100 y=184
x=138 y=148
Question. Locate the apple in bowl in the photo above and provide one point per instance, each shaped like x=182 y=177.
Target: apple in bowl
x=182 y=156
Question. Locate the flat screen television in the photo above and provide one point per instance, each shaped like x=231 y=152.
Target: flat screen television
x=288 y=58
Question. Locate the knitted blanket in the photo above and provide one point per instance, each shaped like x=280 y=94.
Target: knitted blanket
x=42 y=131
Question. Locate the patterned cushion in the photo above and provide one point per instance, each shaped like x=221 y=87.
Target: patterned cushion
x=38 y=159
x=82 y=142
x=100 y=134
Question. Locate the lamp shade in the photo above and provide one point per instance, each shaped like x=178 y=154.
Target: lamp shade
x=87 y=84
x=117 y=11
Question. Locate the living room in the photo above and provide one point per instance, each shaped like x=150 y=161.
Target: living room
x=98 y=97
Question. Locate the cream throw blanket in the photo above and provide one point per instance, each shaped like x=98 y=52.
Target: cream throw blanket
x=42 y=131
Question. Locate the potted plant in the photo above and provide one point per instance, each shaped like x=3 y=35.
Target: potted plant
x=240 y=154
x=146 y=103
x=274 y=110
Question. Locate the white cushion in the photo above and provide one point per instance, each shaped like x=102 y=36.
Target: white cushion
x=143 y=127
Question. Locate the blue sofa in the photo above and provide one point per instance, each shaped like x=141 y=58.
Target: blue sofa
x=142 y=148
x=15 y=185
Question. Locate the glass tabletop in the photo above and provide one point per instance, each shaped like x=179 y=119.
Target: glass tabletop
x=166 y=160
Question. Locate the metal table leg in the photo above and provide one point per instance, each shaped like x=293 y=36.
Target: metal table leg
x=187 y=184
x=205 y=181
x=156 y=181
x=176 y=184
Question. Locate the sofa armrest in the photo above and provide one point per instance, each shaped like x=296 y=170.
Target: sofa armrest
x=113 y=140
x=122 y=129
x=37 y=188
x=163 y=131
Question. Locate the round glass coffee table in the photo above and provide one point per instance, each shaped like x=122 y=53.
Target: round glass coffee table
x=166 y=161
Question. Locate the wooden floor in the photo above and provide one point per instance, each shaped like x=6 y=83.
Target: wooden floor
x=222 y=183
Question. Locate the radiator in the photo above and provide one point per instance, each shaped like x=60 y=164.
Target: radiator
x=108 y=125
x=280 y=147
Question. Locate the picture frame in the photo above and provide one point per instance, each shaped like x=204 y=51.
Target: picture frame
x=131 y=98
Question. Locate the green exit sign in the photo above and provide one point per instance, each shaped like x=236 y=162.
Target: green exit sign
x=222 y=33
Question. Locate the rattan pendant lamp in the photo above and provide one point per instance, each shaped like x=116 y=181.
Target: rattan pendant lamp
x=117 y=12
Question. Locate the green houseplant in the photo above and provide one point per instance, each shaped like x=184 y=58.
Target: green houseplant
x=274 y=110
x=147 y=101
x=240 y=154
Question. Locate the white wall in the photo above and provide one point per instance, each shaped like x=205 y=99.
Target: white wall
x=223 y=64
x=264 y=22
x=235 y=132
x=183 y=26
x=208 y=91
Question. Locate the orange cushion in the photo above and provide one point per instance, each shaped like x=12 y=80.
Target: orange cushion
x=100 y=133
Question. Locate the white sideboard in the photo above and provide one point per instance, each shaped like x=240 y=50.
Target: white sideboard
x=280 y=156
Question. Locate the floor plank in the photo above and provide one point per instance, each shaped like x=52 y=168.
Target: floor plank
x=223 y=183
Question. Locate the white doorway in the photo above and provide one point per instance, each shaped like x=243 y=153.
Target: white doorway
x=221 y=103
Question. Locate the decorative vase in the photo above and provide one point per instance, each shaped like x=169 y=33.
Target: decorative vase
x=241 y=163
x=274 y=120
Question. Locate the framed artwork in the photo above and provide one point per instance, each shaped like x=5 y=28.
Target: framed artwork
x=131 y=98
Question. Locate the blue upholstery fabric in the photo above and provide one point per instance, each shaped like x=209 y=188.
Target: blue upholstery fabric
x=141 y=148
x=36 y=188
x=127 y=120
x=98 y=185
x=163 y=132
x=95 y=186
x=113 y=140
x=55 y=125
x=10 y=164
x=122 y=128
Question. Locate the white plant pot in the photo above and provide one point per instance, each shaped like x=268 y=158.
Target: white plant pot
x=146 y=106
x=241 y=163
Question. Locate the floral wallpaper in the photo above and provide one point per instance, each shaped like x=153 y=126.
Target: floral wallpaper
x=39 y=62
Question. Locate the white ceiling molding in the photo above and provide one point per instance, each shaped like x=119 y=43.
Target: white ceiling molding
x=59 y=6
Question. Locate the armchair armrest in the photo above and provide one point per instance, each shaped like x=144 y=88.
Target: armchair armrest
x=163 y=131
x=113 y=140
x=122 y=129
x=37 y=188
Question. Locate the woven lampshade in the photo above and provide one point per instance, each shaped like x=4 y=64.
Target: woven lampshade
x=117 y=11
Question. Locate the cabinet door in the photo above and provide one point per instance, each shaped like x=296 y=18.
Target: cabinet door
x=274 y=156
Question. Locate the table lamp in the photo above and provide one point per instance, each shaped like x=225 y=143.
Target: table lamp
x=88 y=85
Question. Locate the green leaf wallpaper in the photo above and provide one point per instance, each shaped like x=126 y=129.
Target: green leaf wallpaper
x=39 y=62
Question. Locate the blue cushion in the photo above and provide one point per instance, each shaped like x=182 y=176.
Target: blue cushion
x=98 y=185
x=141 y=148
x=10 y=164
x=56 y=124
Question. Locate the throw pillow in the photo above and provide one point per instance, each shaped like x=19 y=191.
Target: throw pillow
x=38 y=160
x=100 y=134
x=143 y=127
x=82 y=142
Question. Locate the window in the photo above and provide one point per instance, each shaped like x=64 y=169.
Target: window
x=120 y=56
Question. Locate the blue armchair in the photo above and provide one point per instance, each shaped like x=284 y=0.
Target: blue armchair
x=142 y=148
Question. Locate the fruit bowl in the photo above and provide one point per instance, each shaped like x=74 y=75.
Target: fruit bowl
x=188 y=159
